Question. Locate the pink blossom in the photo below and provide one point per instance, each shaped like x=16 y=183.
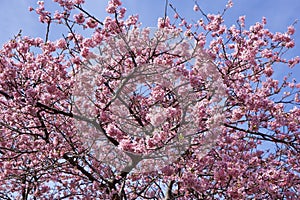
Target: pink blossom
x=242 y=21
x=291 y=30
x=111 y=9
x=58 y=16
x=267 y=53
x=229 y=4
x=290 y=44
x=264 y=20
x=132 y=20
x=78 y=1
x=162 y=23
x=79 y=18
x=268 y=70
x=112 y=6
x=294 y=61
x=85 y=52
x=88 y=42
x=61 y=43
x=122 y=13
x=97 y=37
x=91 y=23
x=196 y=8
x=70 y=36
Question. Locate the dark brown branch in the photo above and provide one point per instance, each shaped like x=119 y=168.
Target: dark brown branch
x=88 y=14
x=48 y=30
x=46 y=137
x=80 y=168
x=262 y=135
x=81 y=118
x=169 y=195
x=6 y=95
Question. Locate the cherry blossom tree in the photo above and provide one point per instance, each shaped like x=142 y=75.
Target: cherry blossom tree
x=115 y=110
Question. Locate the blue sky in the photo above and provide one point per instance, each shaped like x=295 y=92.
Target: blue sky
x=279 y=13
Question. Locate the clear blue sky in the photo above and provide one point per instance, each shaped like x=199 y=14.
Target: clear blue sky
x=279 y=13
